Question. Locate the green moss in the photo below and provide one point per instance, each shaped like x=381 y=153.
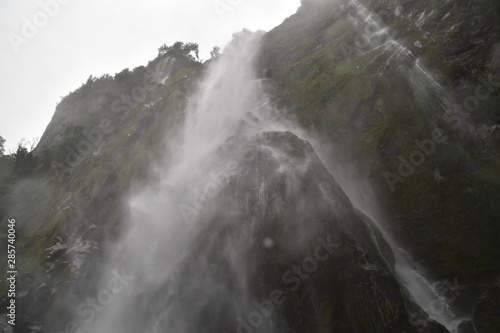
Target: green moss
x=325 y=313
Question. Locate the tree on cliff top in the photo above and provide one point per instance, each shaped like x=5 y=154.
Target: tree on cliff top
x=188 y=51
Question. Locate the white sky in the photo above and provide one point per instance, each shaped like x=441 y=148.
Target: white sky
x=94 y=37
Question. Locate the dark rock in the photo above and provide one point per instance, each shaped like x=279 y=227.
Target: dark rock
x=486 y=316
x=280 y=207
x=466 y=327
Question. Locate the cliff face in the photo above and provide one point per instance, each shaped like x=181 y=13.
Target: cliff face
x=410 y=92
x=267 y=240
x=69 y=207
x=406 y=91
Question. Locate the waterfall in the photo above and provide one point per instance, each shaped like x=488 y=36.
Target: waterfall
x=164 y=70
x=430 y=94
x=165 y=255
x=423 y=292
x=164 y=219
x=374 y=38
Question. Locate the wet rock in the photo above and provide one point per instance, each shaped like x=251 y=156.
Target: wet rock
x=4 y=325
x=297 y=246
x=486 y=318
x=466 y=327
x=436 y=173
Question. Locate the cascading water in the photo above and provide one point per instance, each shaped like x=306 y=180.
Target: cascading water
x=424 y=292
x=374 y=38
x=165 y=217
x=164 y=70
x=243 y=200
x=213 y=245
x=438 y=103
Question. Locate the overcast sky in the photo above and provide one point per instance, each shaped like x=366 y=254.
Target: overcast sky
x=45 y=56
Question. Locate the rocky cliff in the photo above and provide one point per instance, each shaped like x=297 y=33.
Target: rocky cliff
x=406 y=93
